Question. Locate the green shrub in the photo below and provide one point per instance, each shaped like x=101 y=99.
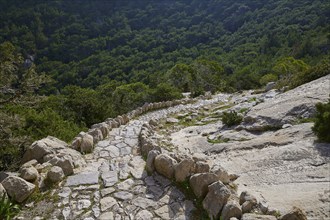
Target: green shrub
x=268 y=78
x=7 y=208
x=322 y=122
x=165 y=92
x=231 y=118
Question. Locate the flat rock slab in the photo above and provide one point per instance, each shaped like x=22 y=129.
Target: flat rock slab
x=83 y=179
x=109 y=178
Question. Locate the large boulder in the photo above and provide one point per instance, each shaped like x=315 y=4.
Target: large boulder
x=29 y=173
x=164 y=165
x=294 y=214
x=87 y=142
x=55 y=174
x=184 y=169
x=200 y=182
x=231 y=209
x=215 y=199
x=41 y=148
x=18 y=188
x=65 y=162
x=45 y=149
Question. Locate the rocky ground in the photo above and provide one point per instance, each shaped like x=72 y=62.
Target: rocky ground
x=113 y=184
x=273 y=153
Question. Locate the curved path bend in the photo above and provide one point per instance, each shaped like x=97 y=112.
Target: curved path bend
x=115 y=185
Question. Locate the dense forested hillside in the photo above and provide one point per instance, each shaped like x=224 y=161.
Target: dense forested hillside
x=86 y=60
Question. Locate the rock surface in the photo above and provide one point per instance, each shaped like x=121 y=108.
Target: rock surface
x=55 y=174
x=231 y=209
x=286 y=107
x=294 y=214
x=164 y=165
x=199 y=183
x=17 y=188
x=29 y=173
x=215 y=199
x=267 y=162
x=251 y=216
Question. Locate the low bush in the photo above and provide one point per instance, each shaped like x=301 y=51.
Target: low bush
x=7 y=208
x=231 y=118
x=322 y=122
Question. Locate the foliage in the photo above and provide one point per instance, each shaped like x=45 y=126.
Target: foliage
x=315 y=72
x=7 y=208
x=165 y=92
x=322 y=122
x=268 y=78
x=88 y=44
x=231 y=118
x=18 y=80
x=287 y=68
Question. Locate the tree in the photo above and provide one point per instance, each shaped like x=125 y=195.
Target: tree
x=18 y=79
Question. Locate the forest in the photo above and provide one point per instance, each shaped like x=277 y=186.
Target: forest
x=65 y=65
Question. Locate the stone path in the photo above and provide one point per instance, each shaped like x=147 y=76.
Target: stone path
x=115 y=184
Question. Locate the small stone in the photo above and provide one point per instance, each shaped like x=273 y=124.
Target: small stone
x=109 y=178
x=172 y=121
x=29 y=173
x=286 y=126
x=87 y=142
x=107 y=203
x=33 y=163
x=66 y=212
x=263 y=207
x=222 y=174
x=215 y=199
x=65 y=163
x=231 y=209
x=200 y=182
x=83 y=179
x=96 y=211
x=247 y=206
x=184 y=169
x=246 y=196
x=143 y=203
x=164 y=165
x=122 y=195
x=64 y=192
x=201 y=167
x=144 y=215
x=55 y=174
x=83 y=204
x=150 y=160
x=252 y=216
x=125 y=185
x=107 y=191
x=106 y=216
x=164 y=212
x=294 y=214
